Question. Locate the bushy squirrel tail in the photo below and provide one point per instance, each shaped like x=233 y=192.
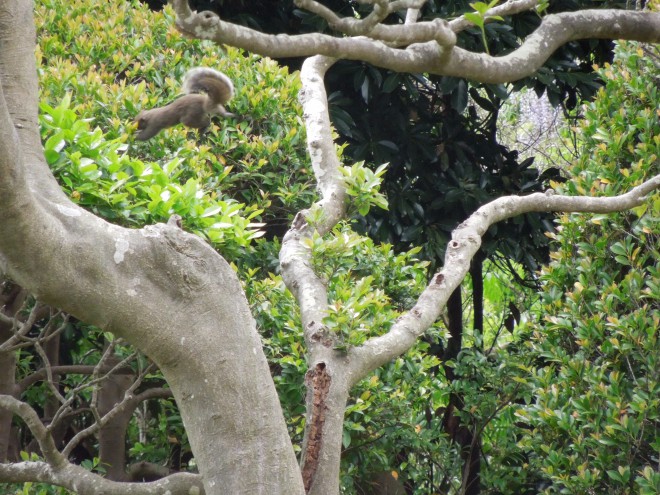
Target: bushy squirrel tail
x=214 y=83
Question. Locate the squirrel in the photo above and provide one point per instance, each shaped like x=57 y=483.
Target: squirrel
x=192 y=109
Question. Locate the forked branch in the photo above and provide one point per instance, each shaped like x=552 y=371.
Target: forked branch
x=427 y=46
x=57 y=470
x=466 y=240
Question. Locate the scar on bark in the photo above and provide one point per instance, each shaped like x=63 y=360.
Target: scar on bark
x=320 y=386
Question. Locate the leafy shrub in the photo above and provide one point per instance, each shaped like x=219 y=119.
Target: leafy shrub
x=101 y=64
x=595 y=418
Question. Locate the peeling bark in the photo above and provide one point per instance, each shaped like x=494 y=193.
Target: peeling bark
x=318 y=382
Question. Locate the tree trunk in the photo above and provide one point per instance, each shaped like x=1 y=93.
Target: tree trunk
x=166 y=292
x=11 y=301
x=112 y=435
x=458 y=432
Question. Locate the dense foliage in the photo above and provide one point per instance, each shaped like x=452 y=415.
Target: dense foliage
x=438 y=133
x=595 y=417
x=100 y=67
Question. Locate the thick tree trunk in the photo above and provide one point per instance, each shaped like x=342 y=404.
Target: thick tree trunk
x=166 y=292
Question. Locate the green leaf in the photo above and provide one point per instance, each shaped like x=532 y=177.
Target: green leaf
x=346 y=439
x=475 y=19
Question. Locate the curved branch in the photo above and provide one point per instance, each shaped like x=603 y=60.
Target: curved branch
x=151 y=393
x=71 y=369
x=40 y=432
x=434 y=51
x=58 y=471
x=79 y=480
x=126 y=405
x=555 y=30
x=395 y=34
x=466 y=240
x=295 y=254
x=509 y=8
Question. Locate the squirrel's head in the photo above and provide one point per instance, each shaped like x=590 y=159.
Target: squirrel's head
x=143 y=133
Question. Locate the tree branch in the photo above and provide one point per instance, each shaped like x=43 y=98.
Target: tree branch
x=394 y=34
x=295 y=254
x=127 y=404
x=58 y=471
x=509 y=8
x=79 y=480
x=466 y=240
x=40 y=432
x=433 y=49
x=70 y=369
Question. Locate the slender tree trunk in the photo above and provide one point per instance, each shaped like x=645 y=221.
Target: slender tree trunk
x=112 y=436
x=11 y=300
x=455 y=322
x=476 y=274
x=458 y=432
x=471 y=445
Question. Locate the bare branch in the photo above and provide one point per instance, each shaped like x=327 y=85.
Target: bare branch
x=151 y=393
x=466 y=240
x=554 y=31
x=126 y=404
x=108 y=353
x=146 y=470
x=41 y=434
x=49 y=374
x=58 y=471
x=208 y=25
x=79 y=480
x=72 y=369
x=65 y=408
x=433 y=49
x=371 y=25
x=509 y=8
x=295 y=256
x=411 y=16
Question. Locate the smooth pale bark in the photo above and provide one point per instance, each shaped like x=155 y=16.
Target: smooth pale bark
x=328 y=383
x=333 y=373
x=430 y=46
x=466 y=240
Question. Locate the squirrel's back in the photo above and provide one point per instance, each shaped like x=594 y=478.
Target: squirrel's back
x=214 y=83
x=207 y=90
